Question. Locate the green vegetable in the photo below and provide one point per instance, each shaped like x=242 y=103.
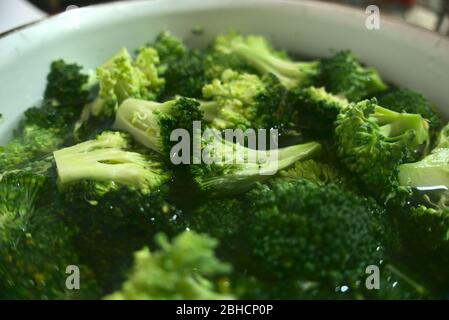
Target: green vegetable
x=151 y=123
x=122 y=77
x=257 y=52
x=373 y=141
x=35 y=245
x=290 y=221
x=343 y=75
x=404 y=100
x=184 y=269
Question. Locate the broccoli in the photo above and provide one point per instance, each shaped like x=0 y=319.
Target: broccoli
x=317 y=172
x=182 y=68
x=169 y=47
x=231 y=101
x=319 y=239
x=115 y=200
x=231 y=168
x=186 y=70
x=372 y=141
x=404 y=100
x=34 y=143
x=122 y=77
x=225 y=220
x=151 y=123
x=242 y=100
x=35 y=245
x=423 y=223
x=47 y=127
x=186 y=268
x=257 y=52
x=186 y=76
x=343 y=75
x=106 y=159
x=67 y=85
x=311 y=108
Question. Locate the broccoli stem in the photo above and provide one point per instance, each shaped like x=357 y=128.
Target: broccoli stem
x=432 y=171
x=394 y=124
x=288 y=72
x=141 y=119
x=105 y=159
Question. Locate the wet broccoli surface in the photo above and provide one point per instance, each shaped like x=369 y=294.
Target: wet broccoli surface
x=110 y=175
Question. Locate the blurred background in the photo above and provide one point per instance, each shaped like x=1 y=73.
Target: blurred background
x=430 y=14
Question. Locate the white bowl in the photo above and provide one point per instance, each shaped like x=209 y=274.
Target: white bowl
x=406 y=55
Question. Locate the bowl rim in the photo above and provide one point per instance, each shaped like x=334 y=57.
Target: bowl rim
x=329 y=5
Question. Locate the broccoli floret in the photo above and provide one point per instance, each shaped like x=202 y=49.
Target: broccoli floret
x=183 y=69
x=319 y=239
x=232 y=100
x=373 y=141
x=344 y=75
x=257 y=52
x=47 y=127
x=67 y=85
x=184 y=269
x=151 y=123
x=242 y=100
x=223 y=219
x=169 y=48
x=106 y=159
x=317 y=172
x=35 y=245
x=186 y=75
x=231 y=168
x=34 y=142
x=186 y=70
x=404 y=100
x=121 y=78
x=312 y=108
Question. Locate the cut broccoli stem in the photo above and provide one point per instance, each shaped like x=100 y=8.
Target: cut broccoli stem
x=141 y=119
x=289 y=73
x=105 y=159
x=257 y=52
x=152 y=123
x=432 y=171
x=236 y=168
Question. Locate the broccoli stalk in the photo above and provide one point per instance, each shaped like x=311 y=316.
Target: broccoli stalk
x=106 y=159
x=151 y=123
x=257 y=52
x=404 y=100
x=235 y=168
x=373 y=141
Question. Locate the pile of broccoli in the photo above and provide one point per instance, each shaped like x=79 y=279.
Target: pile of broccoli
x=358 y=178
